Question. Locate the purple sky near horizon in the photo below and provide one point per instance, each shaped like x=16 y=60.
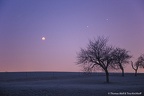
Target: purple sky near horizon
x=67 y=26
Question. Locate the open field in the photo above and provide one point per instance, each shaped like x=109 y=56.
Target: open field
x=70 y=84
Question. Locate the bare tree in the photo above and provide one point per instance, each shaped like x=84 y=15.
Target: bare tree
x=135 y=66
x=138 y=64
x=97 y=55
x=121 y=57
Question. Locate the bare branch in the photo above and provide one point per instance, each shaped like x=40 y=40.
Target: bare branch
x=133 y=66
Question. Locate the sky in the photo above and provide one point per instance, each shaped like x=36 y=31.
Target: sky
x=67 y=26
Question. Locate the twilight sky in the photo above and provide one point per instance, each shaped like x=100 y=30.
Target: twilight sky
x=67 y=26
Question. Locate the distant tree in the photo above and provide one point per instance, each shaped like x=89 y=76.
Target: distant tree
x=97 y=55
x=121 y=57
x=138 y=64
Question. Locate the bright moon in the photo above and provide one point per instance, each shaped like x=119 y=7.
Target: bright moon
x=43 y=38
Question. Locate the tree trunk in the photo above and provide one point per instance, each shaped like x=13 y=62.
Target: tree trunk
x=122 y=69
x=135 y=72
x=107 y=76
x=122 y=72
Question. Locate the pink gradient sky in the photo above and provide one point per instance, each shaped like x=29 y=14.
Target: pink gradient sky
x=67 y=26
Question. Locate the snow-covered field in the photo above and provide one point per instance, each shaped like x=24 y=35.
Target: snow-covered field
x=70 y=84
